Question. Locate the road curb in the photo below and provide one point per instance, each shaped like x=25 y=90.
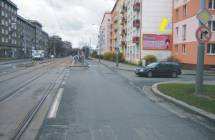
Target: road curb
x=206 y=74
x=185 y=106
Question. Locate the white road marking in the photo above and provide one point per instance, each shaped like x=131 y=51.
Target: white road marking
x=92 y=133
x=53 y=112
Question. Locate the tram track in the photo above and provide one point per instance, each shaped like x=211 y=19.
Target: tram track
x=33 y=112
x=25 y=84
x=23 y=73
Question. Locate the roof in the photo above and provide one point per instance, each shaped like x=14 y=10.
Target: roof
x=115 y=6
x=106 y=13
x=11 y=3
x=45 y=33
x=24 y=20
x=36 y=23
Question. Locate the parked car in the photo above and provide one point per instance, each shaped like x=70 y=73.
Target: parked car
x=160 y=69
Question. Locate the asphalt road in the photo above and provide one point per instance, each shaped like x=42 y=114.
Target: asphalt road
x=21 y=90
x=15 y=65
x=100 y=104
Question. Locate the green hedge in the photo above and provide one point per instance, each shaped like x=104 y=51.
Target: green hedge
x=150 y=59
x=112 y=57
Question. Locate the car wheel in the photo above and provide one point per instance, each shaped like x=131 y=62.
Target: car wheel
x=174 y=75
x=149 y=74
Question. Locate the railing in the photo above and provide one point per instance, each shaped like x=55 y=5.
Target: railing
x=136 y=6
x=136 y=23
x=136 y=39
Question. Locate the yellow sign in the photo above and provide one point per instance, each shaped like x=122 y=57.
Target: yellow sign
x=164 y=24
x=204 y=16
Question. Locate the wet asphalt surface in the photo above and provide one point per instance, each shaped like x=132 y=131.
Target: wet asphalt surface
x=99 y=104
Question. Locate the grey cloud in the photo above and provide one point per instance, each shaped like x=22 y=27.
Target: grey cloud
x=68 y=18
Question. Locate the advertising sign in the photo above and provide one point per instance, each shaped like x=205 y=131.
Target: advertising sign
x=152 y=41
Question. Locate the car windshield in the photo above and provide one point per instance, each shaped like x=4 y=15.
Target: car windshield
x=152 y=65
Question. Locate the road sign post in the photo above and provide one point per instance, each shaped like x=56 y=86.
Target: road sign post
x=203 y=18
x=117 y=57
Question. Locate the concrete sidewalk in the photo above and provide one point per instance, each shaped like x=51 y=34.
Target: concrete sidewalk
x=132 y=68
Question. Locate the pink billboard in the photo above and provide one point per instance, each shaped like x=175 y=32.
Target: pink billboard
x=160 y=42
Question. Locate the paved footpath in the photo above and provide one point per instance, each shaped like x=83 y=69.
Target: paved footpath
x=99 y=104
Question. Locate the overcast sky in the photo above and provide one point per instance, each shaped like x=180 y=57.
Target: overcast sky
x=74 y=20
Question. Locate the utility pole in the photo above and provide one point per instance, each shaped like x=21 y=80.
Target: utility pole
x=99 y=48
x=200 y=60
x=117 y=57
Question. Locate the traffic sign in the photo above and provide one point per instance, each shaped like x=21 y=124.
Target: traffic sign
x=204 y=16
x=117 y=50
x=203 y=34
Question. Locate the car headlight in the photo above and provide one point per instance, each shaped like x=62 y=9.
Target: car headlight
x=141 y=70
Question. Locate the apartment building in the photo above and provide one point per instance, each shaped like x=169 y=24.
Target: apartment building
x=144 y=36
x=26 y=36
x=45 y=42
x=105 y=34
x=185 y=25
x=118 y=26
x=38 y=42
x=133 y=29
x=154 y=41
x=8 y=34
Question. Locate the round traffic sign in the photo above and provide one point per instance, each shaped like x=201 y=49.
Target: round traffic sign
x=203 y=34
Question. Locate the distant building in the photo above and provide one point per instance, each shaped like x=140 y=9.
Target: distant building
x=185 y=25
x=45 y=42
x=25 y=36
x=118 y=27
x=54 y=43
x=133 y=28
x=8 y=35
x=67 y=44
x=38 y=42
x=105 y=34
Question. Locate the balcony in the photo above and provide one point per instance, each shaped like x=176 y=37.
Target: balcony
x=123 y=43
x=136 y=39
x=124 y=19
x=124 y=8
x=123 y=32
x=136 y=23
x=115 y=20
x=136 y=6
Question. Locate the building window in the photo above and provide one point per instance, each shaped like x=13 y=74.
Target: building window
x=211 y=25
x=2 y=12
x=185 y=10
x=177 y=13
x=176 y=49
x=184 y=34
x=2 y=31
x=177 y=31
x=211 y=49
x=184 y=49
x=2 y=39
x=2 y=21
x=211 y=5
x=2 y=4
